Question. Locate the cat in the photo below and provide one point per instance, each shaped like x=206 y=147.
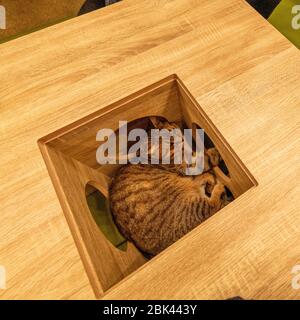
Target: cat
x=155 y=205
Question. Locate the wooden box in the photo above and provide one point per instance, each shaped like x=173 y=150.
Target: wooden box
x=70 y=156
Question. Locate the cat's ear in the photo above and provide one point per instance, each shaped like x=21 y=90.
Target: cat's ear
x=214 y=156
x=155 y=121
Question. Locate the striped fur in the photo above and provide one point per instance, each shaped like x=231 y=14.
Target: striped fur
x=153 y=206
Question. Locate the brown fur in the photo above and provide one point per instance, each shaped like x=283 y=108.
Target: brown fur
x=155 y=205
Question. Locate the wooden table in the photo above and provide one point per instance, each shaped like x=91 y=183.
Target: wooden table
x=246 y=77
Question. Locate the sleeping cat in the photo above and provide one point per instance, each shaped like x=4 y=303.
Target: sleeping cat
x=155 y=205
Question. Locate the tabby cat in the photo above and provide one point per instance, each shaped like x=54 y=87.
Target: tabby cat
x=155 y=205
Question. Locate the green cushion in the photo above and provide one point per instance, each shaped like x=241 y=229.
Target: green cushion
x=281 y=19
x=100 y=210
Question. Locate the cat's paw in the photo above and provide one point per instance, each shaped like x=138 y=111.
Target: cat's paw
x=219 y=188
x=214 y=156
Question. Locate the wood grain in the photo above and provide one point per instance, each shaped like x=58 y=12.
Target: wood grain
x=70 y=156
x=27 y=16
x=243 y=73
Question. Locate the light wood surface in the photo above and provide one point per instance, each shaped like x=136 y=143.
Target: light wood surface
x=246 y=77
x=70 y=156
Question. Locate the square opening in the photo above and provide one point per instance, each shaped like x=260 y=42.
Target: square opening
x=82 y=184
